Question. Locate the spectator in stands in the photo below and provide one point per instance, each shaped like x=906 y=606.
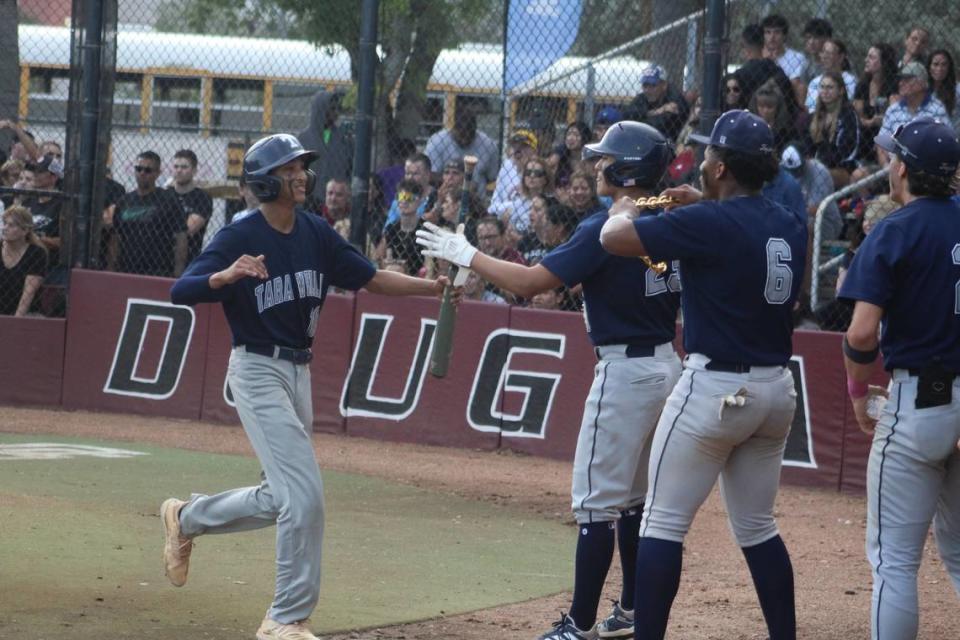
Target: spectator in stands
x=25 y=148
x=447 y=213
x=492 y=240
x=399 y=150
x=815 y=33
x=531 y=245
x=874 y=93
x=462 y=140
x=660 y=105
x=565 y=157
x=943 y=82
x=915 y=46
x=549 y=300
x=46 y=209
x=733 y=95
x=816 y=183
x=605 y=117
x=451 y=181
x=416 y=168
x=376 y=213
x=334 y=149
x=523 y=146
x=475 y=289
x=833 y=57
x=536 y=182
x=794 y=64
x=582 y=196
x=833 y=136
x=9 y=176
x=771 y=105
x=150 y=226
x=196 y=204
x=336 y=201
x=915 y=101
x=785 y=190
x=24 y=263
x=758 y=71
x=399 y=236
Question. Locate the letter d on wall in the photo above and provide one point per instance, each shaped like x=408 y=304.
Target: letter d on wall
x=124 y=378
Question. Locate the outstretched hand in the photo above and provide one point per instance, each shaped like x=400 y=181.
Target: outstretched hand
x=446 y=245
x=245 y=266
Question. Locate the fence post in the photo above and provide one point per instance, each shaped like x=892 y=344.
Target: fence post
x=712 y=65
x=360 y=182
x=89 y=129
x=589 y=98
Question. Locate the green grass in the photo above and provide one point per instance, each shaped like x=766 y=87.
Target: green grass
x=82 y=542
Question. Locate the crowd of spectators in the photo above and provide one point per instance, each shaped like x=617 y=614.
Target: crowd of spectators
x=522 y=203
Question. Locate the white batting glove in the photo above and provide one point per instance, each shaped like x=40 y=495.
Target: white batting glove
x=446 y=245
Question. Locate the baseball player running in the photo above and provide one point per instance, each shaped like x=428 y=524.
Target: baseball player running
x=630 y=311
x=741 y=261
x=271 y=271
x=905 y=279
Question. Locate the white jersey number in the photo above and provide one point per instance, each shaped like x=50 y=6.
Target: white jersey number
x=779 y=275
x=956 y=288
x=657 y=284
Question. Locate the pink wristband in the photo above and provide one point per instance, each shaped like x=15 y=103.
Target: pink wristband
x=856 y=389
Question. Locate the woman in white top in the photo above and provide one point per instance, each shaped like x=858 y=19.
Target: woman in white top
x=535 y=181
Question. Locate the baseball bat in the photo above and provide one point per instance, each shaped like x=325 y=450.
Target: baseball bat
x=443 y=336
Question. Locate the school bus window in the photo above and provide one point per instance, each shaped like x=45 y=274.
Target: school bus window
x=49 y=93
x=176 y=102
x=127 y=90
x=291 y=105
x=237 y=104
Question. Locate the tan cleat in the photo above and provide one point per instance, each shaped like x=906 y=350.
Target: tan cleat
x=270 y=629
x=176 y=547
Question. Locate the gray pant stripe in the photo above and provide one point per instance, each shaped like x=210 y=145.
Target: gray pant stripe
x=653 y=488
x=883 y=452
x=593 y=447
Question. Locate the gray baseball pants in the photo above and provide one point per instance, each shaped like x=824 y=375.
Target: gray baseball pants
x=275 y=406
x=913 y=479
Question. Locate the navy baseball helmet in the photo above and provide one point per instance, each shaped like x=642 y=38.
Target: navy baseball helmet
x=640 y=154
x=741 y=131
x=267 y=154
x=925 y=145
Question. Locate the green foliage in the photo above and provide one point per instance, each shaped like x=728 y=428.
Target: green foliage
x=253 y=18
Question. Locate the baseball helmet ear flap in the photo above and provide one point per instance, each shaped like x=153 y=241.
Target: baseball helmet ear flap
x=265 y=188
x=311 y=181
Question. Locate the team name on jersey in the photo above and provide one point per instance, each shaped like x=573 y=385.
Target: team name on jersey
x=280 y=289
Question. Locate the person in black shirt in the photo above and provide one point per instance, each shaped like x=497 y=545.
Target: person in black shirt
x=660 y=105
x=46 y=210
x=196 y=204
x=23 y=265
x=400 y=237
x=150 y=226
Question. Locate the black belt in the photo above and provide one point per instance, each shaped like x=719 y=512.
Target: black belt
x=730 y=367
x=632 y=350
x=918 y=372
x=296 y=356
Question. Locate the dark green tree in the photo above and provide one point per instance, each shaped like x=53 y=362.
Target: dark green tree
x=9 y=66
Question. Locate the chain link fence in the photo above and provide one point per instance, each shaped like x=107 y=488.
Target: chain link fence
x=520 y=84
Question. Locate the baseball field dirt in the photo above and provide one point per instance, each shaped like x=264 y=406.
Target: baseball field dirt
x=479 y=499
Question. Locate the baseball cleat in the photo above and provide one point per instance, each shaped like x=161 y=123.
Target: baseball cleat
x=619 y=624
x=176 y=547
x=270 y=629
x=565 y=629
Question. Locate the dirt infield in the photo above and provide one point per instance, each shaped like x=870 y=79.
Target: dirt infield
x=823 y=530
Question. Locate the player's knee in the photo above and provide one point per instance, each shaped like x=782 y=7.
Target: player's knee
x=586 y=516
x=305 y=507
x=753 y=531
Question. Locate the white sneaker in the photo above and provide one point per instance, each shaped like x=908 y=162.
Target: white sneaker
x=270 y=629
x=176 y=547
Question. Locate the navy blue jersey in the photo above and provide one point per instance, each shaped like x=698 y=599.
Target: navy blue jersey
x=302 y=264
x=741 y=262
x=909 y=265
x=624 y=301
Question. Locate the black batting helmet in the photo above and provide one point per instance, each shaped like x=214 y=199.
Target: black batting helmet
x=267 y=154
x=640 y=154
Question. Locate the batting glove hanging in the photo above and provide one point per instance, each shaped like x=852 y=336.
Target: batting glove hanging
x=446 y=245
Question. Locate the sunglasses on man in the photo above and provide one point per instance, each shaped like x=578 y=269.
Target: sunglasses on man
x=142 y=169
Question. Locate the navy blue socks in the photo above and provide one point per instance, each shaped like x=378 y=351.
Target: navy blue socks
x=595 y=543
x=772 y=574
x=628 y=535
x=659 y=563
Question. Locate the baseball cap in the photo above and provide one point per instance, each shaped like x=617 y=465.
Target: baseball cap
x=739 y=130
x=791 y=159
x=925 y=145
x=653 y=74
x=49 y=163
x=608 y=115
x=913 y=70
x=525 y=136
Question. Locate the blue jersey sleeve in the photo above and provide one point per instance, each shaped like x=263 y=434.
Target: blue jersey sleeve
x=871 y=276
x=689 y=232
x=349 y=268
x=580 y=256
x=194 y=285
